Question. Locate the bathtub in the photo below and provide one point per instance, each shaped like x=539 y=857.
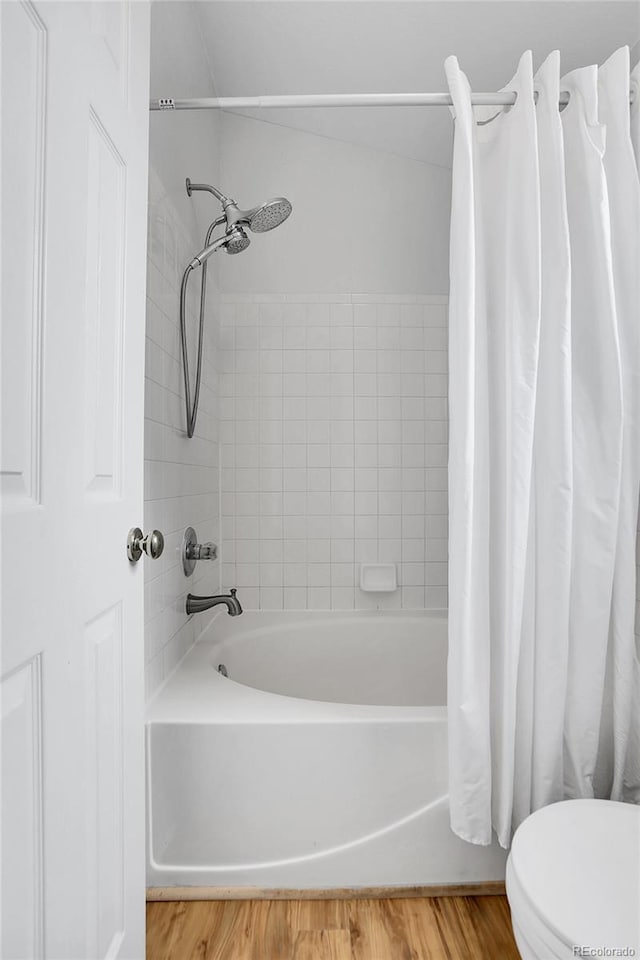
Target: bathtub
x=319 y=762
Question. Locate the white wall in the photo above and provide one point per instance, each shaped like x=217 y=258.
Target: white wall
x=333 y=392
x=181 y=475
x=363 y=221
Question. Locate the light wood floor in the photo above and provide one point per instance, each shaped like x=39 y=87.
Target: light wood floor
x=437 y=928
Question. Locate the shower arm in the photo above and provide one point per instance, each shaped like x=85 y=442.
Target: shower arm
x=209 y=189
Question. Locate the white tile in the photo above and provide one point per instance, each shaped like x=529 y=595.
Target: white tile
x=365 y=432
x=342 y=503
x=318 y=338
x=271 y=527
x=413 y=551
x=247 y=551
x=294 y=384
x=342 y=478
x=435 y=597
x=342 y=598
x=295 y=527
x=364 y=314
x=294 y=338
x=319 y=551
x=389 y=502
x=271 y=598
x=294 y=361
x=295 y=598
x=318 y=479
x=341 y=431
x=366 y=526
x=366 y=479
x=271 y=551
x=319 y=409
x=365 y=385
x=269 y=505
x=366 y=502
x=411 y=338
x=271 y=338
x=295 y=574
x=295 y=551
x=366 y=551
x=247 y=504
x=271 y=361
x=435 y=574
x=247 y=574
x=318 y=574
x=365 y=361
x=388 y=339
x=390 y=527
x=318 y=504
x=342 y=551
x=271 y=575
x=365 y=338
x=342 y=455
x=318 y=598
x=294 y=479
x=389 y=551
x=413 y=598
x=318 y=361
x=342 y=527
x=294 y=431
x=436 y=527
x=436 y=550
x=247 y=528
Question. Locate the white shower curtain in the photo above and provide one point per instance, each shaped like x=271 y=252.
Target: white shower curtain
x=544 y=465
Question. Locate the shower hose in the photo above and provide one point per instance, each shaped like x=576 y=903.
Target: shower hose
x=191 y=410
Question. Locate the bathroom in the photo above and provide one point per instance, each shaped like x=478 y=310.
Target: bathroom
x=277 y=709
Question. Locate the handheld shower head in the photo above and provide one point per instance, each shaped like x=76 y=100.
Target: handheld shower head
x=234 y=240
x=238 y=241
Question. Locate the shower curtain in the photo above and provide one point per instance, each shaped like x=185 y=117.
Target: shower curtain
x=544 y=462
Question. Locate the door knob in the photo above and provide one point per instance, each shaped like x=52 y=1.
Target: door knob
x=152 y=544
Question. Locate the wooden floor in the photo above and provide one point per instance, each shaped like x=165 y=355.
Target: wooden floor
x=446 y=928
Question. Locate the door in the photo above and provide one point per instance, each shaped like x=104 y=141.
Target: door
x=74 y=102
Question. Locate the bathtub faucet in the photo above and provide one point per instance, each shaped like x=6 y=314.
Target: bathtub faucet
x=199 y=604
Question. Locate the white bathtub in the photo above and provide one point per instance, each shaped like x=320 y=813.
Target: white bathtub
x=321 y=761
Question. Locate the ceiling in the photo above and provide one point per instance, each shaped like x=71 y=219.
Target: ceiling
x=259 y=47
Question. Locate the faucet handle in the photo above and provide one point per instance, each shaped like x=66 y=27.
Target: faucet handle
x=193 y=551
x=203 y=551
x=233 y=592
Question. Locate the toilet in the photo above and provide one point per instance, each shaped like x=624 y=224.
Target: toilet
x=573 y=881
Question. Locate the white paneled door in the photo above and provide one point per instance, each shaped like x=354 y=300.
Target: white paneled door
x=74 y=102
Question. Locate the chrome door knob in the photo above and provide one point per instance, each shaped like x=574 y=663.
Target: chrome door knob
x=152 y=544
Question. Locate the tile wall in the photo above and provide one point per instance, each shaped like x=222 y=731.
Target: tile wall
x=181 y=476
x=333 y=420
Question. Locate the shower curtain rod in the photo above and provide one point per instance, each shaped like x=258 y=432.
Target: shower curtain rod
x=334 y=100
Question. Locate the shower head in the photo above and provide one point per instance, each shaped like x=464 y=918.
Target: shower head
x=269 y=215
x=259 y=219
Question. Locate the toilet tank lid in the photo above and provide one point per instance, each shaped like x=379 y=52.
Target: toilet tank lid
x=577 y=863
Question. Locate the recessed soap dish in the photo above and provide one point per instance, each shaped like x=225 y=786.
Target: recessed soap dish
x=378 y=577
